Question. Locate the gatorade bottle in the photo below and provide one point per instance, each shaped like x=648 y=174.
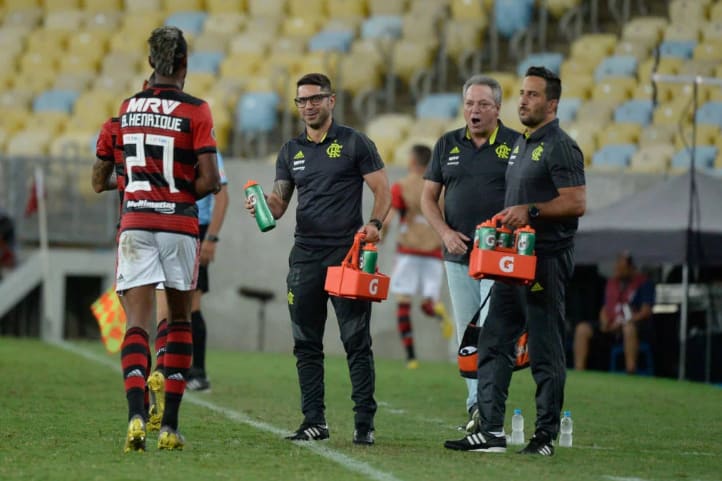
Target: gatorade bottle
x=264 y=218
x=369 y=257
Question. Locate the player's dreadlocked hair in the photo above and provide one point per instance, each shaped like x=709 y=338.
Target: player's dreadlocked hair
x=168 y=50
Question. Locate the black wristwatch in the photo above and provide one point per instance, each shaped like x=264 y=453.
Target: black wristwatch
x=212 y=238
x=534 y=212
x=376 y=223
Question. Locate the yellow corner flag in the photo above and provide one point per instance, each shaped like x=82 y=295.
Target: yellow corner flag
x=111 y=319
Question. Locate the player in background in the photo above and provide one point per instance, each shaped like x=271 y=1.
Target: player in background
x=170 y=162
x=419 y=265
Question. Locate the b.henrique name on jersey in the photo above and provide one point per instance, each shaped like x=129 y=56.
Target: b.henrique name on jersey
x=162 y=132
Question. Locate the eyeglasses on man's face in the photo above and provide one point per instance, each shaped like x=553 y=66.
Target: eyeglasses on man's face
x=313 y=99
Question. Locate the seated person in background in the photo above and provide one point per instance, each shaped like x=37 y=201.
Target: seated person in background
x=7 y=242
x=628 y=300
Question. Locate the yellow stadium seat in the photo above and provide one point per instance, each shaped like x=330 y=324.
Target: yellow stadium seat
x=428 y=127
x=17 y=98
x=95 y=6
x=688 y=9
x=59 y=5
x=468 y=10
x=267 y=8
x=257 y=44
x=585 y=135
x=682 y=31
x=672 y=113
x=509 y=114
x=657 y=134
x=113 y=82
x=709 y=51
x=77 y=80
x=280 y=64
x=124 y=63
x=346 y=8
x=578 y=86
x=320 y=62
x=420 y=28
x=385 y=147
x=15 y=118
x=712 y=31
x=386 y=7
x=225 y=6
x=593 y=47
x=55 y=122
x=706 y=135
x=394 y=126
x=667 y=66
x=596 y=111
x=645 y=91
x=141 y=23
x=27 y=17
x=210 y=41
x=34 y=81
x=301 y=27
x=509 y=83
x=614 y=89
x=357 y=76
x=103 y=22
x=636 y=49
x=715 y=12
x=559 y=7
x=69 y=20
x=29 y=142
x=199 y=82
x=647 y=30
x=125 y=41
x=89 y=43
x=462 y=36
x=172 y=6
x=4 y=135
x=12 y=5
x=371 y=49
x=263 y=26
x=143 y=6
x=652 y=159
x=351 y=23
x=572 y=67
x=227 y=23
x=39 y=61
x=73 y=144
x=43 y=40
x=699 y=67
x=619 y=133
x=718 y=159
x=73 y=62
x=241 y=64
x=715 y=94
x=410 y=58
x=307 y=8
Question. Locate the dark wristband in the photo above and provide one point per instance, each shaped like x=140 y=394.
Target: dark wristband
x=376 y=223
x=212 y=238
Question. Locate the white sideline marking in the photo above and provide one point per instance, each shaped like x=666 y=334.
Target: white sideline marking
x=618 y=478
x=344 y=460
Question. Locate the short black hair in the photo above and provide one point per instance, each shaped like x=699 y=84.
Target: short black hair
x=316 y=79
x=168 y=50
x=422 y=154
x=553 y=90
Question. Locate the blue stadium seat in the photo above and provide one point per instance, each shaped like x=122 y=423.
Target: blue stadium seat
x=635 y=112
x=710 y=113
x=677 y=48
x=552 y=61
x=614 y=155
x=444 y=106
x=704 y=156
x=205 y=61
x=382 y=26
x=567 y=110
x=190 y=22
x=335 y=40
x=512 y=16
x=256 y=112
x=616 y=66
x=55 y=101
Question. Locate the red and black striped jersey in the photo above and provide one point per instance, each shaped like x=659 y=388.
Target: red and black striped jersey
x=162 y=132
x=106 y=148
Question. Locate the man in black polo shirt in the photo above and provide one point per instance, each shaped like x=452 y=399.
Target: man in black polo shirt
x=328 y=164
x=545 y=187
x=470 y=163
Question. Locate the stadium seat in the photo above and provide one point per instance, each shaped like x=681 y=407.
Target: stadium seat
x=382 y=26
x=666 y=65
x=509 y=83
x=225 y=6
x=657 y=134
x=707 y=134
x=205 y=61
x=442 y=105
x=29 y=142
x=55 y=100
x=15 y=118
x=613 y=156
x=241 y=64
x=143 y=6
x=95 y=6
x=60 y=5
x=512 y=16
x=708 y=51
x=634 y=111
x=429 y=127
x=395 y=126
x=190 y=22
x=712 y=31
x=357 y=74
x=336 y=40
x=410 y=58
x=17 y=98
x=386 y=7
x=307 y=8
x=266 y=8
x=688 y=9
x=596 y=111
x=224 y=24
x=346 y=8
x=301 y=27
x=616 y=66
x=704 y=158
x=567 y=110
x=593 y=47
x=29 y=17
x=256 y=112
x=509 y=114
x=105 y=22
x=677 y=48
x=638 y=50
x=75 y=145
x=571 y=67
x=174 y=6
x=65 y=20
x=78 y=81
x=617 y=133
x=710 y=113
x=550 y=60
x=461 y=36
x=578 y=86
x=74 y=62
x=614 y=90
x=466 y=10
x=197 y=83
x=652 y=159
x=682 y=32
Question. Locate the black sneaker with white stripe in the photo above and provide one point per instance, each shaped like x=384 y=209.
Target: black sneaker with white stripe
x=540 y=444
x=310 y=432
x=478 y=442
x=364 y=435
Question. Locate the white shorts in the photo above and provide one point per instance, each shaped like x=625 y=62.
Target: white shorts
x=412 y=272
x=147 y=258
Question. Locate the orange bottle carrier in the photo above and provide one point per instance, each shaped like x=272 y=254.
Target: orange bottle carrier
x=504 y=264
x=348 y=280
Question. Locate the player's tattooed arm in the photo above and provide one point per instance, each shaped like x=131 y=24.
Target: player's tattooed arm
x=102 y=176
x=280 y=197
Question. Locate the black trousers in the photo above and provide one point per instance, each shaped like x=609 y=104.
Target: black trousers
x=541 y=305
x=308 y=306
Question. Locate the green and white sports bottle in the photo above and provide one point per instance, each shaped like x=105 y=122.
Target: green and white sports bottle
x=264 y=218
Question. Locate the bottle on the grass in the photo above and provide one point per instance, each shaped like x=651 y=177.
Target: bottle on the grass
x=565 y=429
x=517 y=428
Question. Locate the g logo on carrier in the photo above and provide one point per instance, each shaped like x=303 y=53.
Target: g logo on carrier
x=374 y=287
x=506 y=264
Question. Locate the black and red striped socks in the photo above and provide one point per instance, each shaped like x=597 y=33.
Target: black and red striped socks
x=161 y=339
x=177 y=359
x=134 y=361
x=403 y=316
